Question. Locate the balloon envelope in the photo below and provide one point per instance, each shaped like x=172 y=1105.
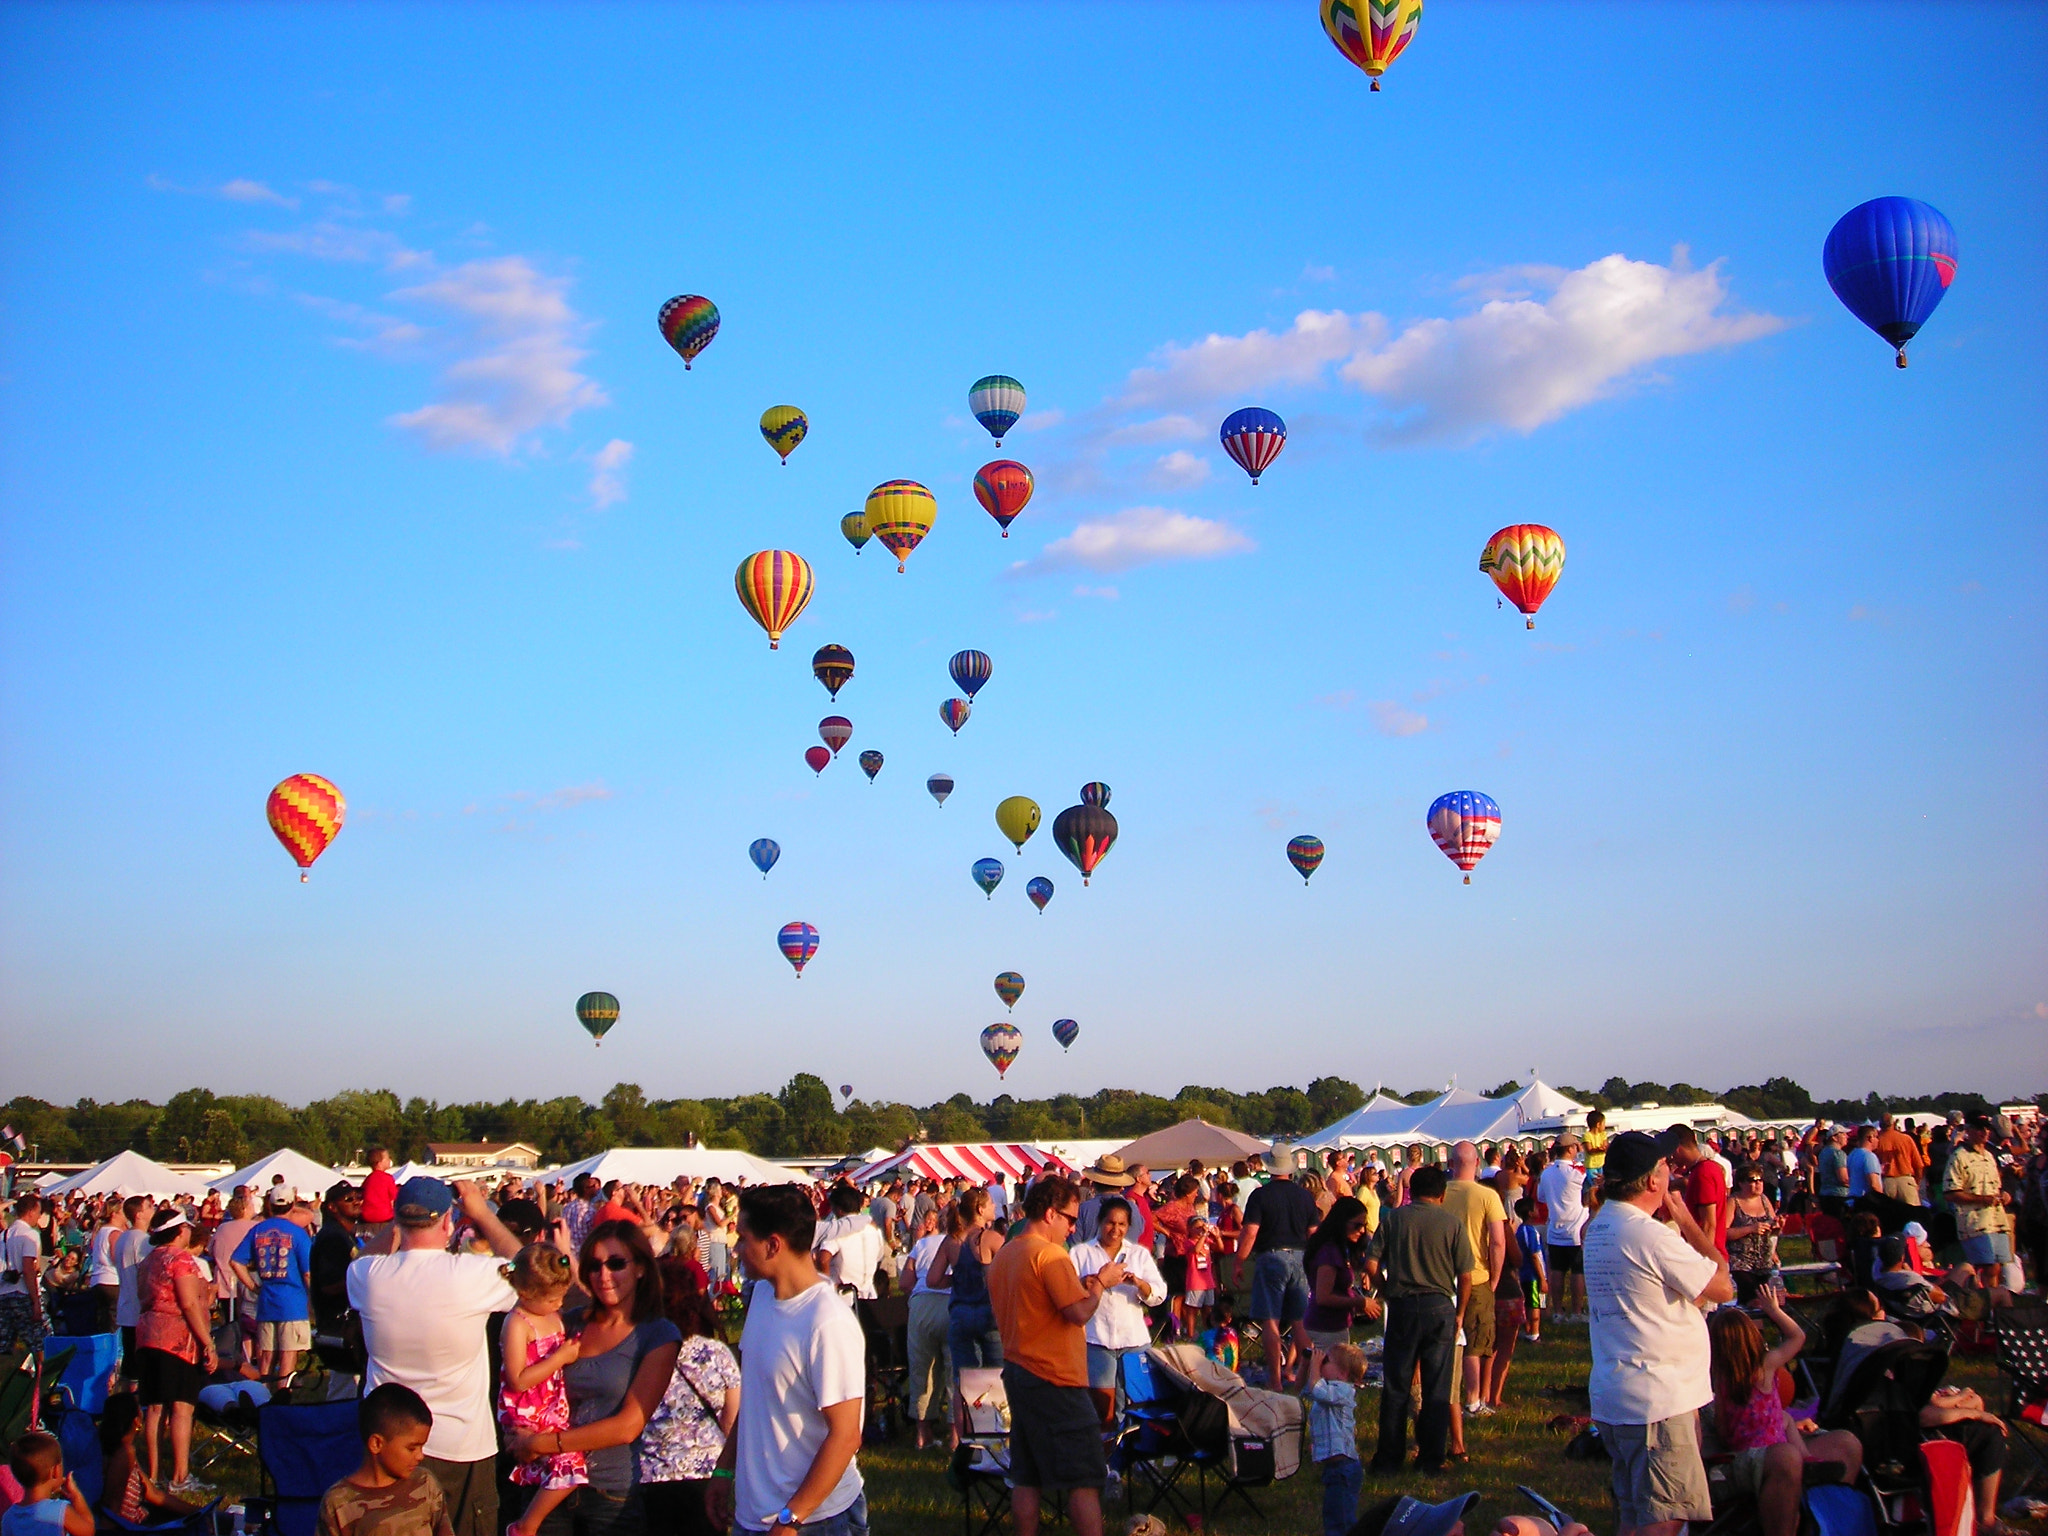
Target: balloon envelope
x=1004 y=489
x=1095 y=792
x=798 y=942
x=774 y=586
x=1371 y=33
x=988 y=874
x=955 y=712
x=784 y=426
x=871 y=763
x=997 y=401
x=1253 y=437
x=1018 y=819
x=1039 y=889
x=938 y=786
x=764 y=851
x=1305 y=853
x=846 y=1090
x=1464 y=824
x=900 y=513
x=688 y=322
x=1084 y=833
x=817 y=757
x=832 y=665
x=1066 y=1031
x=597 y=1012
x=1524 y=560
x=305 y=812
x=1890 y=260
x=855 y=526
x=1009 y=987
x=1000 y=1043
x=835 y=731
x=970 y=669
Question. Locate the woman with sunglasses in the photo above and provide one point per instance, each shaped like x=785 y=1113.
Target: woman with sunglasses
x=626 y=1358
x=1753 y=1228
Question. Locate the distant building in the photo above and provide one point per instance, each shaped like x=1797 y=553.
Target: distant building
x=483 y=1154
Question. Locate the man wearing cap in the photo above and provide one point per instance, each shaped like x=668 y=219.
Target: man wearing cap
x=1831 y=1173
x=1650 y=1270
x=1403 y=1516
x=1108 y=1177
x=1561 y=1189
x=333 y=1251
x=275 y=1260
x=1277 y=1221
x=424 y=1310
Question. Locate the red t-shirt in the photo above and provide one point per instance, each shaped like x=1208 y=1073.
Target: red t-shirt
x=380 y=1196
x=1707 y=1185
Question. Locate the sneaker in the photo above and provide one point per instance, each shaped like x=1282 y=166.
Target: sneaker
x=191 y=1488
x=1532 y=1338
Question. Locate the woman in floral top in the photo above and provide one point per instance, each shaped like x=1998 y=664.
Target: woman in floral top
x=683 y=1439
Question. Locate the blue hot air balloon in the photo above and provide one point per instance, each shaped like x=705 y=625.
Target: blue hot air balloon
x=970 y=670
x=1039 y=889
x=1253 y=437
x=1066 y=1031
x=764 y=851
x=988 y=874
x=1890 y=261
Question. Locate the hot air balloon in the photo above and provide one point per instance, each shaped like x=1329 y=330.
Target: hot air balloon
x=832 y=665
x=1009 y=987
x=817 y=757
x=1039 y=889
x=774 y=586
x=1524 y=560
x=597 y=1012
x=1066 y=1031
x=835 y=731
x=1464 y=824
x=988 y=874
x=688 y=322
x=1000 y=1043
x=798 y=942
x=1890 y=261
x=1004 y=489
x=305 y=812
x=1305 y=853
x=846 y=1090
x=955 y=712
x=784 y=426
x=938 y=786
x=1253 y=437
x=1084 y=833
x=900 y=513
x=997 y=401
x=855 y=526
x=970 y=669
x=1095 y=793
x=871 y=763
x=1018 y=818
x=1371 y=33
x=764 y=851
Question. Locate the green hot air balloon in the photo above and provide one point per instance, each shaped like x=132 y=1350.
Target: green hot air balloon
x=597 y=1012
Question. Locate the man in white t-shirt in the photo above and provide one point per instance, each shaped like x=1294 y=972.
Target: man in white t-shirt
x=850 y=1244
x=424 y=1310
x=21 y=1269
x=790 y=1461
x=1562 y=1188
x=1650 y=1271
x=102 y=1273
x=130 y=1249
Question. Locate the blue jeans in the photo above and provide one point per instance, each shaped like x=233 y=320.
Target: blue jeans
x=972 y=1335
x=1343 y=1477
x=850 y=1521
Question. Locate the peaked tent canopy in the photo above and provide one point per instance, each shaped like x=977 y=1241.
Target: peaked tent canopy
x=1542 y=1104
x=981 y=1161
x=1379 y=1104
x=664 y=1165
x=128 y=1173
x=300 y=1172
x=1176 y=1144
x=1457 y=1114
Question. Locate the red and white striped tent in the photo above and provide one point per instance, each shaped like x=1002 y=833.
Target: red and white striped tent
x=980 y=1161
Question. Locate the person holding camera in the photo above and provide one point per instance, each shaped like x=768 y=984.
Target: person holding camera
x=1753 y=1228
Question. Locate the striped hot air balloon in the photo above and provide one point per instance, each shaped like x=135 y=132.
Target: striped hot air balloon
x=969 y=670
x=597 y=1012
x=1305 y=853
x=835 y=731
x=1253 y=437
x=938 y=786
x=1095 y=792
x=955 y=712
x=1000 y=1043
x=1084 y=833
x=688 y=322
x=1009 y=987
x=832 y=665
x=784 y=426
x=798 y=942
x=1464 y=824
x=1066 y=1031
x=1004 y=489
x=1371 y=33
x=305 y=812
x=774 y=586
x=900 y=513
x=855 y=527
x=997 y=401
x=1524 y=560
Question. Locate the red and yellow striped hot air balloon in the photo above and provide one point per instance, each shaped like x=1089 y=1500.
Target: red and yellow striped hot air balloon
x=1371 y=33
x=774 y=585
x=305 y=812
x=1524 y=561
x=900 y=513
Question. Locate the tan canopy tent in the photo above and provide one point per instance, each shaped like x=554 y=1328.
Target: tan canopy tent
x=1172 y=1147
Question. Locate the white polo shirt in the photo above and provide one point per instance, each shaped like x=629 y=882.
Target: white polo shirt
x=1650 y=1351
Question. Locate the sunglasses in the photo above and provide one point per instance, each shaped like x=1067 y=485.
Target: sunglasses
x=615 y=1263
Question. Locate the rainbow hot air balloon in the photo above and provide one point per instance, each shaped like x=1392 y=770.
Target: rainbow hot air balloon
x=835 y=731
x=871 y=763
x=846 y=1090
x=1084 y=833
x=1039 y=889
x=955 y=712
x=1253 y=437
x=1371 y=33
x=798 y=942
x=1018 y=819
x=1009 y=987
x=900 y=513
x=1890 y=261
x=784 y=426
x=1464 y=824
x=855 y=527
x=817 y=757
x=1004 y=489
x=305 y=812
x=832 y=665
x=597 y=1012
x=1095 y=792
x=1305 y=853
x=1524 y=560
x=988 y=874
x=970 y=669
x=938 y=786
x=1000 y=1043
x=774 y=586
x=688 y=322
x=1066 y=1031
x=764 y=851
x=997 y=401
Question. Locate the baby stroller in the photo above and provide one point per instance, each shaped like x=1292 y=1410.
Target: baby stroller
x=1880 y=1404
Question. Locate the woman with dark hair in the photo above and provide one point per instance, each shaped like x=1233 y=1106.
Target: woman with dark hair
x=1753 y=1228
x=626 y=1359
x=1333 y=1264
x=174 y=1344
x=679 y=1448
x=961 y=1265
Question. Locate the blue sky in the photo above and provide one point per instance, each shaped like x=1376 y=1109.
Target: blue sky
x=338 y=437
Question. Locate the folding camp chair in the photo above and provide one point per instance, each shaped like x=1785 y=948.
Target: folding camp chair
x=1880 y=1404
x=885 y=1323
x=981 y=1466
x=303 y=1449
x=80 y=1437
x=95 y=1362
x=1153 y=1447
x=2023 y=1368
x=23 y=1375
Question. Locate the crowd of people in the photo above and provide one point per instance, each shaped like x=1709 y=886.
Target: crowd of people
x=563 y=1356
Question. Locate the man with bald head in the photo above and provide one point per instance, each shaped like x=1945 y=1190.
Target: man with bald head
x=1486 y=1225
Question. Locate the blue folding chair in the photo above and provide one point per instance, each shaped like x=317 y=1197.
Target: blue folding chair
x=1153 y=1447
x=89 y=1375
x=304 y=1450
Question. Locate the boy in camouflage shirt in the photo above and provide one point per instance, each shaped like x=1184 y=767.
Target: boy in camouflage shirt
x=389 y=1494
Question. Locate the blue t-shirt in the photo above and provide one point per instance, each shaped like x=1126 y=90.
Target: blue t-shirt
x=1864 y=1170
x=279 y=1254
x=42 y=1518
x=1529 y=1239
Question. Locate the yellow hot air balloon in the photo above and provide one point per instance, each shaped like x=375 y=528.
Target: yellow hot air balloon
x=900 y=513
x=1018 y=819
x=1371 y=33
x=784 y=426
x=774 y=585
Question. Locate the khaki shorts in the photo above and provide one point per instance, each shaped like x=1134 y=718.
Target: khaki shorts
x=1746 y=1470
x=278 y=1338
x=1658 y=1474
x=1477 y=1320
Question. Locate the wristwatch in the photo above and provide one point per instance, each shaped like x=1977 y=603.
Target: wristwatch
x=786 y=1516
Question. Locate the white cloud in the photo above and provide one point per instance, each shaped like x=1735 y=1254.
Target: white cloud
x=1134 y=537
x=1179 y=470
x=608 y=473
x=1177 y=428
x=1224 y=367
x=1039 y=421
x=570 y=796
x=1107 y=594
x=1390 y=719
x=397 y=203
x=327 y=240
x=1315 y=274
x=239 y=190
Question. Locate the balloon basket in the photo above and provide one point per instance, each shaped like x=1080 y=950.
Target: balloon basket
x=774 y=645
x=899 y=563
x=1468 y=879
x=1531 y=624
x=1902 y=357
x=686 y=367
x=303 y=877
x=1375 y=85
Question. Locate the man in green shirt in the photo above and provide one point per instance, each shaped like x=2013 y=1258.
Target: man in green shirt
x=1424 y=1268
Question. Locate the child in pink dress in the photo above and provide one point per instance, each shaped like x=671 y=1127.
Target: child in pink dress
x=534 y=1396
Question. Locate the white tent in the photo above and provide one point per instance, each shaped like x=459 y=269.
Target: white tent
x=664 y=1165
x=1543 y=1105
x=1379 y=1104
x=1457 y=1114
x=301 y=1174
x=128 y=1173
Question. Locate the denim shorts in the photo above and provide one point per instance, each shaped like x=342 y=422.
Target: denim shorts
x=1988 y=1248
x=850 y=1521
x=1279 y=1286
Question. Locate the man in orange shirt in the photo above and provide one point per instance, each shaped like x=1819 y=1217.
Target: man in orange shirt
x=1041 y=1307
x=1900 y=1159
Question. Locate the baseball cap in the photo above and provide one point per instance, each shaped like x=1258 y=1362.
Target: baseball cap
x=1631 y=1155
x=1914 y=1230
x=278 y=1197
x=1412 y=1517
x=423 y=1201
